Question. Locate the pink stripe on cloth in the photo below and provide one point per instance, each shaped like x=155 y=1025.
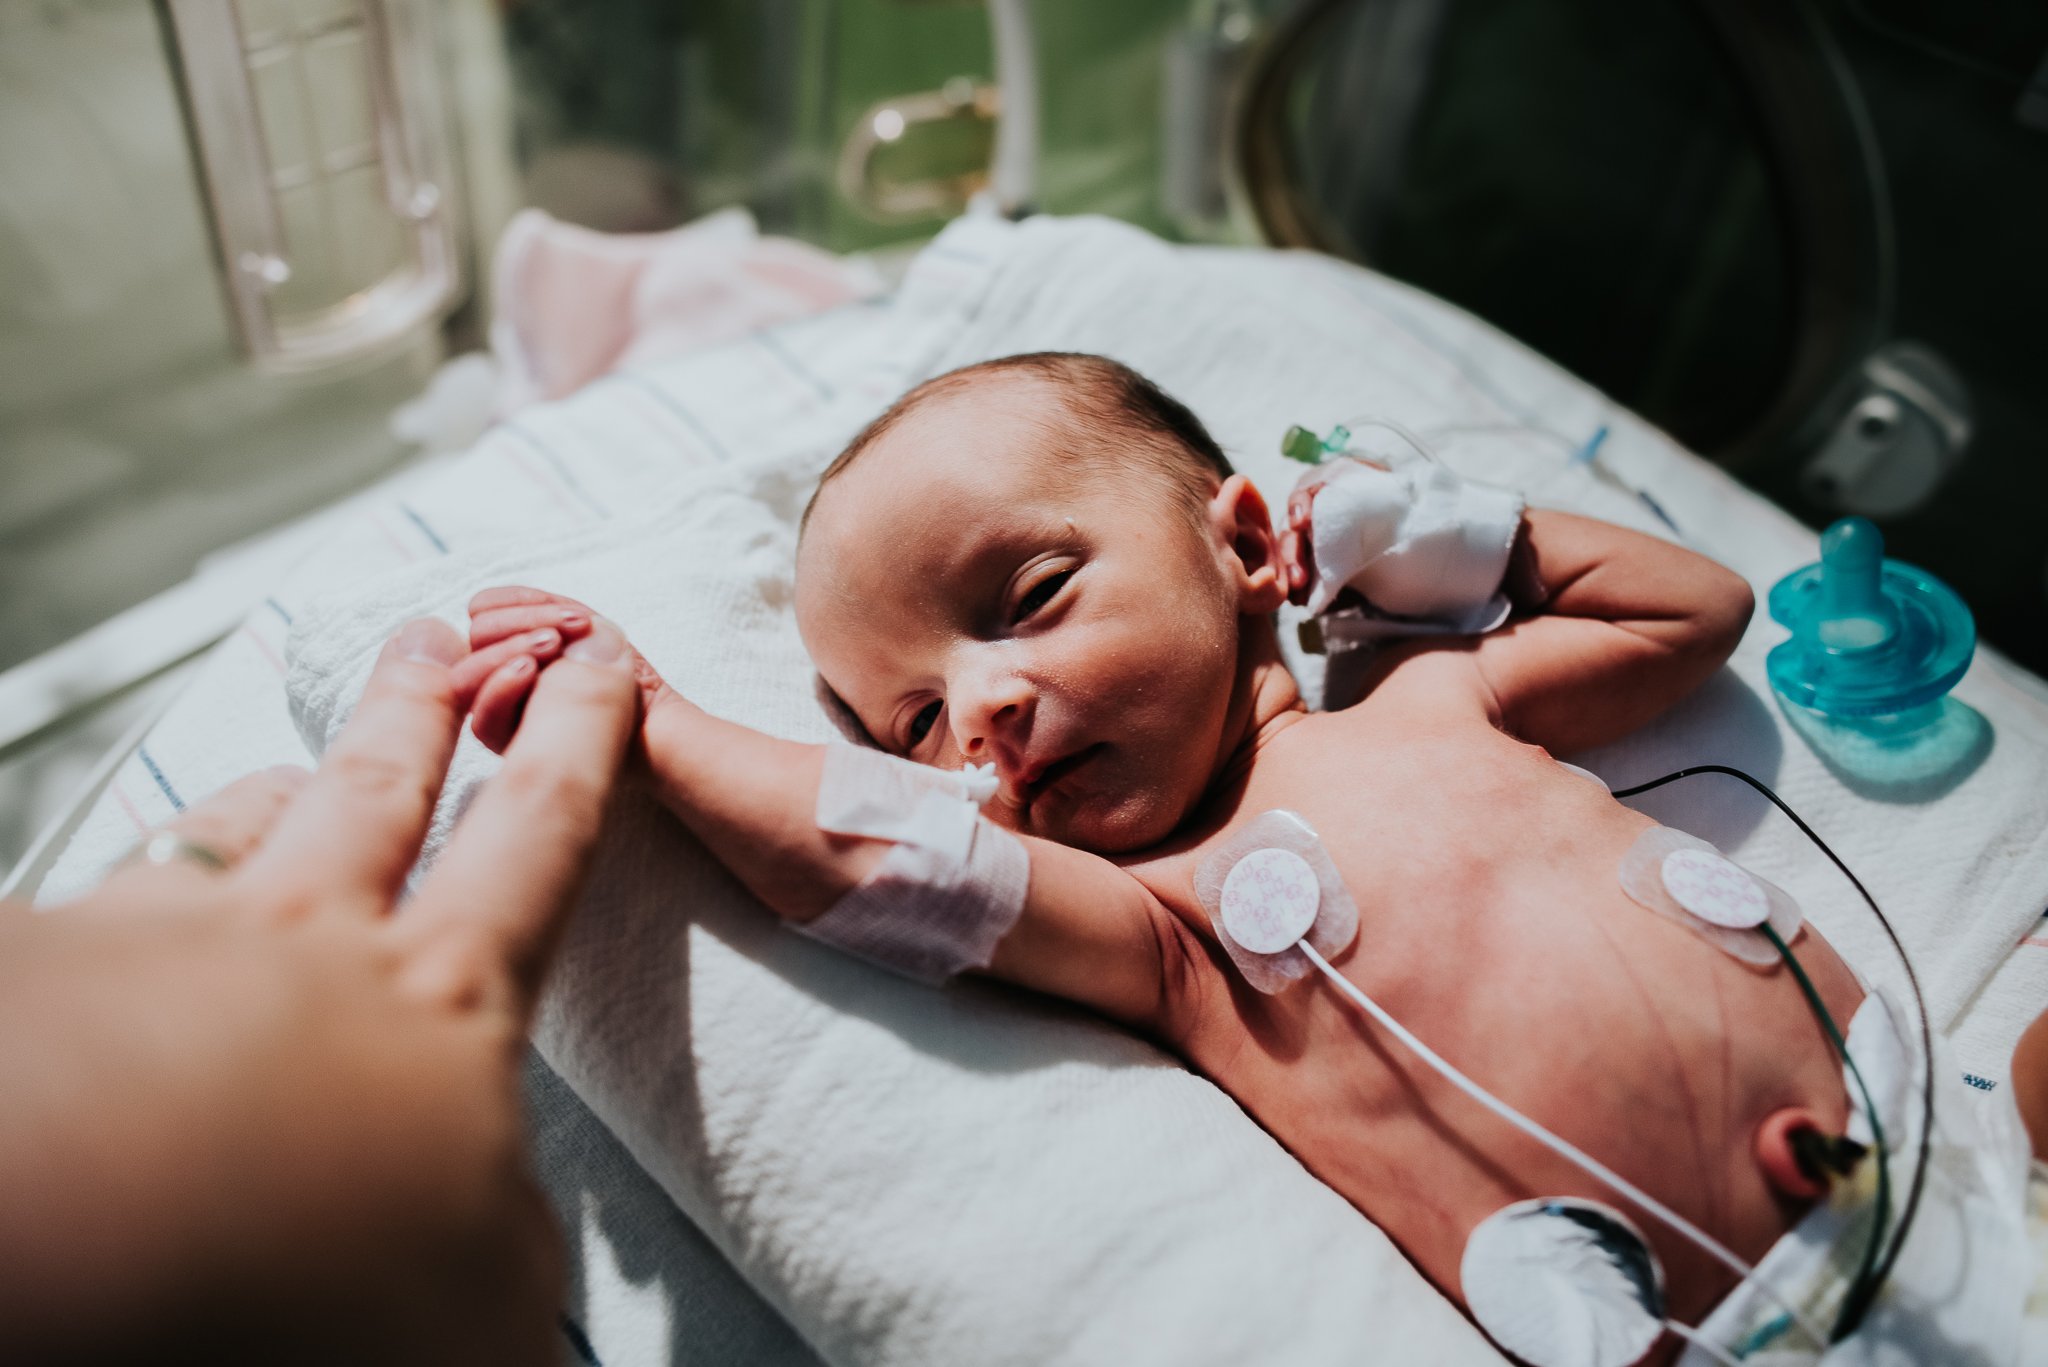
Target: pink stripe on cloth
x=127 y=805
x=263 y=649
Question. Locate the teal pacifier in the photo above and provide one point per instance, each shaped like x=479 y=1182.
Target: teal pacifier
x=1876 y=646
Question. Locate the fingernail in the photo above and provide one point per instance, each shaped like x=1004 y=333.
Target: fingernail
x=542 y=640
x=604 y=645
x=574 y=621
x=430 y=640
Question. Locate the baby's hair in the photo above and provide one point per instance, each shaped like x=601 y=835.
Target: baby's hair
x=1108 y=396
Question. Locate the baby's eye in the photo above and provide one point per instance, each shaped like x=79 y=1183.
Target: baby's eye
x=927 y=717
x=1038 y=595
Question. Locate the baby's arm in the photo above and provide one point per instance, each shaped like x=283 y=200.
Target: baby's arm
x=1611 y=628
x=1089 y=932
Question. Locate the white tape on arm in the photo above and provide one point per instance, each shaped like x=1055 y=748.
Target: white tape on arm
x=944 y=897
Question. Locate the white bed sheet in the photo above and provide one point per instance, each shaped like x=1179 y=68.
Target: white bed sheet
x=1119 y=1240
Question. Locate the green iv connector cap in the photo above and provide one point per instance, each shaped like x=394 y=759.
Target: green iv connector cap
x=1302 y=445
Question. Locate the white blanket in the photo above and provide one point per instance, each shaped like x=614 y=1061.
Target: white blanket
x=968 y=1174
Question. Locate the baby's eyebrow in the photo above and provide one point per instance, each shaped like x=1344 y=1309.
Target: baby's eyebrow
x=984 y=547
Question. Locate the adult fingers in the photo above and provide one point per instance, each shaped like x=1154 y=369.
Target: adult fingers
x=486 y=921
x=500 y=701
x=537 y=647
x=228 y=826
x=357 y=828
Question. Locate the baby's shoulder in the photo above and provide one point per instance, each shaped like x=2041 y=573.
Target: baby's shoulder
x=1436 y=680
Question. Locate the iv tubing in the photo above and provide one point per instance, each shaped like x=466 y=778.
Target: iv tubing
x=1563 y=1148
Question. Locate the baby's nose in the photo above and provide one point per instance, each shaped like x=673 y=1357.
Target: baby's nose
x=992 y=717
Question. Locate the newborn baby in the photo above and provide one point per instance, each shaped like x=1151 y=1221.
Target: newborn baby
x=1045 y=564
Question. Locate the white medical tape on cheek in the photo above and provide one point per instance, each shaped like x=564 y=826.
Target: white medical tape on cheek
x=953 y=886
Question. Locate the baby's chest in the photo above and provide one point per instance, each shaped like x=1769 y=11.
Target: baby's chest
x=1407 y=824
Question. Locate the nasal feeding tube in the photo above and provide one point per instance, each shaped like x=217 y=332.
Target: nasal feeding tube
x=1279 y=909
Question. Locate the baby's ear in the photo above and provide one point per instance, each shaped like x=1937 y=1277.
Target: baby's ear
x=1797 y=1156
x=1244 y=528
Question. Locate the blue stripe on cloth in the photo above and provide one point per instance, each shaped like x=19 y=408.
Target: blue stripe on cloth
x=579 y=1341
x=425 y=530
x=142 y=753
x=278 y=608
x=770 y=344
x=668 y=401
x=560 y=468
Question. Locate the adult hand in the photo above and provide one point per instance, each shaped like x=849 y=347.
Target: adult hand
x=262 y=1112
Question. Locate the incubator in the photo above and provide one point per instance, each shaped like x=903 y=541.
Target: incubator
x=237 y=238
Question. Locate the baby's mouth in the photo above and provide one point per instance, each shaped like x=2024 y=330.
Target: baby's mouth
x=1035 y=783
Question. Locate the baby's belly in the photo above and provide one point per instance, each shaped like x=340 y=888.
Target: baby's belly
x=1622 y=1032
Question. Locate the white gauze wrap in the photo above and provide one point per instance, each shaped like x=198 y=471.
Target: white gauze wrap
x=950 y=889
x=1418 y=543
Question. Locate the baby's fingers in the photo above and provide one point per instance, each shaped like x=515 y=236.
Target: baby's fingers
x=472 y=670
x=1298 y=562
x=489 y=626
x=1300 y=503
x=501 y=701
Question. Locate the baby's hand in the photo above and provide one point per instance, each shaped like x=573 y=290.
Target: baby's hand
x=514 y=633
x=1297 y=546
x=1297 y=550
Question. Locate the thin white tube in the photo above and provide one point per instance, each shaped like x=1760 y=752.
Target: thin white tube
x=1703 y=1343
x=1563 y=1148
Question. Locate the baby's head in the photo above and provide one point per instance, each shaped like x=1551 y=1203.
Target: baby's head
x=1045 y=563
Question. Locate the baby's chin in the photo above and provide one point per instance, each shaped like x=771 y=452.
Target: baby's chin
x=1110 y=824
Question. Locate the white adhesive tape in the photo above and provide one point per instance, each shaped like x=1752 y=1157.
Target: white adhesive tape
x=952 y=887
x=1285 y=847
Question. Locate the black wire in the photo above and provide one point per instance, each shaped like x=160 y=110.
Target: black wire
x=1860 y=1298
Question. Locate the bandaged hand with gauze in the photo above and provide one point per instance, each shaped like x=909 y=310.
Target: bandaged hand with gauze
x=1424 y=551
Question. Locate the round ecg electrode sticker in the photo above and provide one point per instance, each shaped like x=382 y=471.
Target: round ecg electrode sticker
x=1715 y=889
x=1270 y=900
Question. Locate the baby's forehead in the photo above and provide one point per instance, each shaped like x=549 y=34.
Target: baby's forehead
x=967 y=413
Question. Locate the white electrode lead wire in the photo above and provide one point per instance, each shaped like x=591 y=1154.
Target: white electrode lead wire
x=1704 y=1344
x=1562 y=1147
